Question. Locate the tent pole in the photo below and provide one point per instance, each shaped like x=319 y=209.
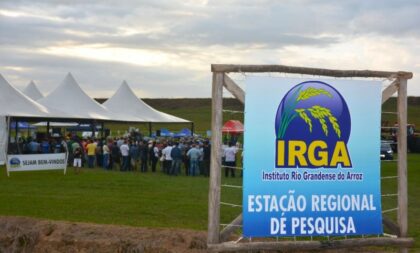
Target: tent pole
x=150 y=129
x=102 y=130
x=192 y=128
x=16 y=131
x=93 y=125
x=9 y=130
x=7 y=146
x=27 y=132
x=48 y=129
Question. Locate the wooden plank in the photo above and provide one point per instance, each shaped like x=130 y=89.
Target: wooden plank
x=228 y=68
x=389 y=91
x=311 y=245
x=391 y=225
x=231 y=228
x=233 y=88
x=402 y=159
x=216 y=159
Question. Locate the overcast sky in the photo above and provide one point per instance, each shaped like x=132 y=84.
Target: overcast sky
x=165 y=48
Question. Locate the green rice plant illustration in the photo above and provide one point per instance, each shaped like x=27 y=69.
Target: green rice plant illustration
x=312 y=92
x=317 y=112
x=305 y=117
x=321 y=114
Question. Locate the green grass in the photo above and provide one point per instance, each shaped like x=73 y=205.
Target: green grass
x=413 y=111
x=151 y=199
x=109 y=197
x=390 y=186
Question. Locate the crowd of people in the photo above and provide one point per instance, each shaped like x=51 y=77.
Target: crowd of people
x=129 y=154
x=34 y=146
x=173 y=156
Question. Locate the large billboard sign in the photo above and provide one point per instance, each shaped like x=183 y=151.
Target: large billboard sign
x=311 y=157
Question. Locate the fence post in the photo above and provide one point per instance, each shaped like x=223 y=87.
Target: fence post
x=402 y=160
x=215 y=162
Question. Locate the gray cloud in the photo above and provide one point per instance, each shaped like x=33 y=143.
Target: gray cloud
x=235 y=29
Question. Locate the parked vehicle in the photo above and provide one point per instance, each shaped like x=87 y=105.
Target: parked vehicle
x=386 y=151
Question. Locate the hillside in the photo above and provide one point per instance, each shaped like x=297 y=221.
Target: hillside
x=198 y=110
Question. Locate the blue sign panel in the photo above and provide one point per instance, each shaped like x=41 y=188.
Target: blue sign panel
x=311 y=157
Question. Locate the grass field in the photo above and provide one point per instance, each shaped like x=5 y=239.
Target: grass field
x=149 y=199
x=157 y=200
x=109 y=197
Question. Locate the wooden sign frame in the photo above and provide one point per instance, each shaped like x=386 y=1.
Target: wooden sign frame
x=217 y=239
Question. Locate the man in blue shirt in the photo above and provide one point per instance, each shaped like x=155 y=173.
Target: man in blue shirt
x=33 y=147
x=194 y=154
x=45 y=147
x=176 y=155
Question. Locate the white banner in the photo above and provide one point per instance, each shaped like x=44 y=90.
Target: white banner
x=37 y=162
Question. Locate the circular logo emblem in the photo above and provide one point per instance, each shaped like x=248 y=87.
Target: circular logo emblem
x=313 y=112
x=14 y=162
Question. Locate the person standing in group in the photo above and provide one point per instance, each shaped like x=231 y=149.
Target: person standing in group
x=124 y=148
x=185 y=147
x=224 y=147
x=120 y=142
x=45 y=146
x=194 y=156
x=106 y=154
x=206 y=158
x=200 y=147
x=167 y=158
x=176 y=155
x=115 y=156
x=144 y=153
x=154 y=155
x=70 y=150
x=230 y=159
x=91 y=152
x=134 y=155
x=34 y=147
x=77 y=160
x=99 y=153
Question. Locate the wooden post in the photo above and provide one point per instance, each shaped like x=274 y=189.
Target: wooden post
x=390 y=90
x=402 y=159
x=236 y=91
x=287 y=246
x=226 y=68
x=231 y=228
x=215 y=162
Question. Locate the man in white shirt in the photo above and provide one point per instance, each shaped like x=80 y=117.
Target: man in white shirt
x=167 y=162
x=230 y=160
x=124 y=148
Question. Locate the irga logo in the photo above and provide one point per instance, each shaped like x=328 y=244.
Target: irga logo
x=312 y=128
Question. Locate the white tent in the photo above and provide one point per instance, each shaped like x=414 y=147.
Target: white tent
x=32 y=91
x=124 y=101
x=71 y=99
x=14 y=103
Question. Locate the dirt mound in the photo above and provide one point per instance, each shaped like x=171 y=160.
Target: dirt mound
x=19 y=234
